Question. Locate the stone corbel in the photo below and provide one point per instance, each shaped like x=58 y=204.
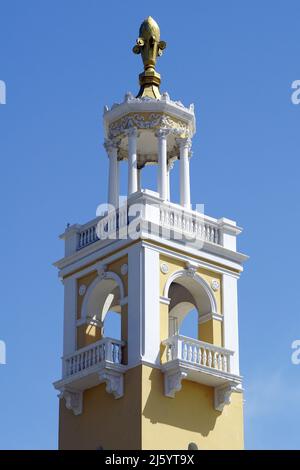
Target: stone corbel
x=73 y=400
x=114 y=383
x=191 y=268
x=101 y=269
x=222 y=396
x=173 y=382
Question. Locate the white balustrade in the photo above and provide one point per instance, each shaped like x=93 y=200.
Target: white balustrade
x=87 y=235
x=106 y=349
x=189 y=223
x=198 y=352
x=169 y=216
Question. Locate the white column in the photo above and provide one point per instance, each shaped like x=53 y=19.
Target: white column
x=135 y=293
x=113 y=180
x=151 y=306
x=70 y=315
x=162 y=163
x=143 y=305
x=230 y=322
x=170 y=167
x=132 y=161
x=168 y=184
x=185 y=190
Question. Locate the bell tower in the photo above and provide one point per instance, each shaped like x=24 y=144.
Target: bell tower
x=132 y=376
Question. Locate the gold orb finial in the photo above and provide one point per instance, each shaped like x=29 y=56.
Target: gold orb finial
x=150 y=47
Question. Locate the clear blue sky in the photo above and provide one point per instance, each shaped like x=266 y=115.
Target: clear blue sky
x=62 y=61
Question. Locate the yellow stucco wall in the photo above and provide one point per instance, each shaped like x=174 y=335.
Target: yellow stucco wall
x=105 y=421
x=145 y=419
x=172 y=423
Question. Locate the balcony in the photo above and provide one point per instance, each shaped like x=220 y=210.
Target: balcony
x=161 y=218
x=89 y=366
x=205 y=363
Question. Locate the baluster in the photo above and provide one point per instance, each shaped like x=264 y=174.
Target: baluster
x=209 y=358
x=215 y=360
x=185 y=352
x=204 y=357
x=199 y=355
x=117 y=349
x=190 y=352
x=224 y=363
x=215 y=236
x=195 y=354
x=219 y=362
x=208 y=233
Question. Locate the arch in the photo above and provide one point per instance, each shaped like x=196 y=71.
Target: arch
x=110 y=289
x=201 y=291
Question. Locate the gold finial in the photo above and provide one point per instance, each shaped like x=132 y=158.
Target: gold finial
x=150 y=47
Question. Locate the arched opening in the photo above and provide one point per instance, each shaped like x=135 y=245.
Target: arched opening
x=190 y=299
x=101 y=310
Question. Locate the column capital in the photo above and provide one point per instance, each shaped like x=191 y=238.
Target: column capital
x=184 y=142
x=162 y=133
x=132 y=132
x=111 y=144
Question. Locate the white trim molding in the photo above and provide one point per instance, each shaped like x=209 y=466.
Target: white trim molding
x=102 y=274
x=191 y=272
x=164 y=300
x=209 y=316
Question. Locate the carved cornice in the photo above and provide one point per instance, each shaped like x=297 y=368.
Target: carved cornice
x=154 y=121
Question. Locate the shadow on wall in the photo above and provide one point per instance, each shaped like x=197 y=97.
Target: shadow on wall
x=191 y=409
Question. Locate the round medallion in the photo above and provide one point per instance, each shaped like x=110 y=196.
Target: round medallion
x=164 y=268
x=215 y=284
x=124 y=269
x=82 y=289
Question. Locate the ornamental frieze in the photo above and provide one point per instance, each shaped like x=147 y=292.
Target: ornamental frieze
x=148 y=121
